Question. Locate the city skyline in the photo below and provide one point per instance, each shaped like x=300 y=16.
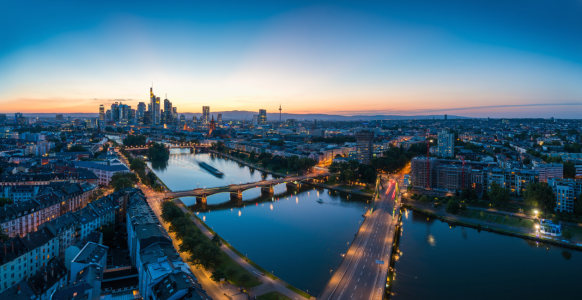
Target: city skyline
x=522 y=59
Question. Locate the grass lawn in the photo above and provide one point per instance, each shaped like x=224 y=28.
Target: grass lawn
x=501 y=219
x=228 y=263
x=273 y=296
x=576 y=231
x=349 y=187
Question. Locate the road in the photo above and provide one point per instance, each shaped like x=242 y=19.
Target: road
x=359 y=276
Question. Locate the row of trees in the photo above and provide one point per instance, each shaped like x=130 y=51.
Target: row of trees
x=353 y=170
x=202 y=251
x=293 y=162
x=134 y=140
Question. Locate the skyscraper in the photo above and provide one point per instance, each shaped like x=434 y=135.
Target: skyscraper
x=101 y=113
x=168 y=113
x=141 y=109
x=364 y=145
x=175 y=115
x=446 y=144
x=205 y=115
x=219 y=119
x=262 y=116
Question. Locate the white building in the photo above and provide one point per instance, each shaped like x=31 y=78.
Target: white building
x=446 y=144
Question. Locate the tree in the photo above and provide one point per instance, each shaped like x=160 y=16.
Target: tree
x=245 y=279
x=252 y=156
x=540 y=195
x=216 y=240
x=4 y=201
x=569 y=169
x=152 y=178
x=217 y=275
x=469 y=194
x=424 y=199
x=120 y=181
x=498 y=194
x=171 y=211
x=452 y=207
x=134 y=140
x=158 y=152
x=137 y=165
x=77 y=148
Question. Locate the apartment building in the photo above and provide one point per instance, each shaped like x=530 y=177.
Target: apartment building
x=567 y=191
x=23 y=257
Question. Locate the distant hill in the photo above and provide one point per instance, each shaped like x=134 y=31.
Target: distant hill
x=248 y=116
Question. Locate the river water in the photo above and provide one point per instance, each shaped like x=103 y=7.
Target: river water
x=442 y=262
x=301 y=239
x=294 y=234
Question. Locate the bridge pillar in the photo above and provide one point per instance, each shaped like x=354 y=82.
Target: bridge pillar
x=201 y=200
x=292 y=185
x=236 y=196
x=267 y=190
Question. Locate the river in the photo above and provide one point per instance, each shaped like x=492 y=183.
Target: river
x=438 y=261
x=294 y=234
x=301 y=239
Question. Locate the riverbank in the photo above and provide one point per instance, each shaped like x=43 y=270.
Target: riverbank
x=338 y=188
x=490 y=226
x=241 y=161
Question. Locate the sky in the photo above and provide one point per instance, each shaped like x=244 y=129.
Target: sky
x=408 y=57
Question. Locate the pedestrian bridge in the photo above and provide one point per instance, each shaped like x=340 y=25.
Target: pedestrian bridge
x=236 y=190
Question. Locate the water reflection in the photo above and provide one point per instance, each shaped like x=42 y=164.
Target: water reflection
x=159 y=165
x=448 y=262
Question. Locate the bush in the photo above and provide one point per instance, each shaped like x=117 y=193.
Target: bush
x=452 y=207
x=566 y=234
x=425 y=199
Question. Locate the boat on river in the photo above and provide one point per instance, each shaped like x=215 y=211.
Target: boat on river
x=210 y=169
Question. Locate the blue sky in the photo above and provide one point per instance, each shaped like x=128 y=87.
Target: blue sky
x=471 y=58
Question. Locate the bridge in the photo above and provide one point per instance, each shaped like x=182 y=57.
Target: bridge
x=364 y=270
x=192 y=147
x=236 y=190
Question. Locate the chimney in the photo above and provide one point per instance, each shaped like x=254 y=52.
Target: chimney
x=18 y=289
x=45 y=276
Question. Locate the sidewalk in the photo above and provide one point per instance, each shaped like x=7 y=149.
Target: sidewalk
x=268 y=283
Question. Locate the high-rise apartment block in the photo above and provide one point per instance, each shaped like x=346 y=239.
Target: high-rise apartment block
x=446 y=144
x=364 y=146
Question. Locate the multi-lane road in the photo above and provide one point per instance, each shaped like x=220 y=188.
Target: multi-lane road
x=363 y=272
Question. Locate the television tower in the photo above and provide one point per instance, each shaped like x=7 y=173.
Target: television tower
x=279 y=112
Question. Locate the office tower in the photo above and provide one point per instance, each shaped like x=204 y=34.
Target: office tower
x=115 y=112
x=2 y=118
x=182 y=119
x=107 y=115
x=147 y=117
x=205 y=114
x=194 y=119
x=175 y=115
x=262 y=116
x=19 y=119
x=141 y=108
x=255 y=120
x=155 y=108
x=446 y=144
x=101 y=113
x=168 y=115
x=364 y=145
x=219 y=119
x=445 y=117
